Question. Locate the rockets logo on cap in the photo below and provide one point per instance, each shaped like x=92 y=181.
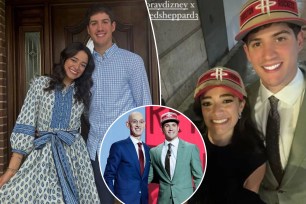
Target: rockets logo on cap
x=220 y=77
x=256 y=13
x=169 y=116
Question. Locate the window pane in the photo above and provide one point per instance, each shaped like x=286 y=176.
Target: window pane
x=32 y=55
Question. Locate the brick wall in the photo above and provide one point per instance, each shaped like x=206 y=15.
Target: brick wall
x=3 y=92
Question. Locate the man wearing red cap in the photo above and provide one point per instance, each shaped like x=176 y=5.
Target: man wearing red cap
x=174 y=164
x=271 y=31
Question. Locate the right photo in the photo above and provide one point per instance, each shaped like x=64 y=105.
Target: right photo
x=237 y=70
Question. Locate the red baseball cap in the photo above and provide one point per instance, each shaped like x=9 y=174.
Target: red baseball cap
x=220 y=77
x=256 y=13
x=169 y=116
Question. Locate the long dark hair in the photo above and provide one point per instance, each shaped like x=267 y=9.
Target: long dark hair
x=83 y=83
x=246 y=136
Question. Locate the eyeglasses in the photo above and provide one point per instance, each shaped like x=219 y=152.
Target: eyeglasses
x=136 y=122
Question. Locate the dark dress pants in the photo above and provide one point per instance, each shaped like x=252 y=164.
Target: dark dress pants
x=105 y=196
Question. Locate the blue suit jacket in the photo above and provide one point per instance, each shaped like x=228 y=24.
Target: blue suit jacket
x=122 y=172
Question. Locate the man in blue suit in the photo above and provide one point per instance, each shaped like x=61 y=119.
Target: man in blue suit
x=127 y=169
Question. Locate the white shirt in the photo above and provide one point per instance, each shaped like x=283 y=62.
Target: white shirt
x=290 y=100
x=174 y=147
x=135 y=141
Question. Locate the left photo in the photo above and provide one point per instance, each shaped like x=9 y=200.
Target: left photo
x=68 y=69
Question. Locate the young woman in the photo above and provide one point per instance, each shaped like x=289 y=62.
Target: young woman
x=56 y=167
x=235 y=152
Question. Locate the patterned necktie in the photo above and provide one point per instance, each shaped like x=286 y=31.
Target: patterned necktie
x=272 y=140
x=167 y=160
x=141 y=157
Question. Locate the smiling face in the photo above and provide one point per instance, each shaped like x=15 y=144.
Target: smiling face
x=220 y=110
x=273 y=52
x=75 y=66
x=100 y=29
x=170 y=130
x=136 y=124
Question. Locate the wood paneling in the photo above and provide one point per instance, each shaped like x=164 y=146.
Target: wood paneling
x=60 y=22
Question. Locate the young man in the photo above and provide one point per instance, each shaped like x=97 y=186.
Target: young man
x=127 y=169
x=174 y=164
x=271 y=31
x=119 y=83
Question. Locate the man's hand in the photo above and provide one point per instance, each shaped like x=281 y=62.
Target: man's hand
x=7 y=176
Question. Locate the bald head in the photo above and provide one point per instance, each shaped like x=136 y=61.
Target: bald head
x=136 y=124
x=135 y=115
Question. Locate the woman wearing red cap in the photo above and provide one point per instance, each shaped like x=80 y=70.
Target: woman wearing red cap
x=236 y=158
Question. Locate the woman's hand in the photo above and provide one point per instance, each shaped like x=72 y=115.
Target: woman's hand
x=12 y=169
x=253 y=182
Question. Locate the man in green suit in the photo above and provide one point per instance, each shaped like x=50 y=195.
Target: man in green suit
x=174 y=164
x=271 y=31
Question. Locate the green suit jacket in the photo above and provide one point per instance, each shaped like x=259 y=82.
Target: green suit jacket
x=188 y=166
x=292 y=189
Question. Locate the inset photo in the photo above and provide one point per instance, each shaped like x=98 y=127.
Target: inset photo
x=153 y=154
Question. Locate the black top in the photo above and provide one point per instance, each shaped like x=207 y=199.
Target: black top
x=226 y=171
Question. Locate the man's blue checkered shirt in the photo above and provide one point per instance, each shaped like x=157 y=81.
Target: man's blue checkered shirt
x=120 y=84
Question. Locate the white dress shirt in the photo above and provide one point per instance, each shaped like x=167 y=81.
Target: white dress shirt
x=135 y=141
x=174 y=147
x=290 y=100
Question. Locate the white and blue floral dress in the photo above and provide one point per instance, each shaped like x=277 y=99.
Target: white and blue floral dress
x=57 y=168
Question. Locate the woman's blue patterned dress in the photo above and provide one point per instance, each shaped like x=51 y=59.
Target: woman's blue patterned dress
x=57 y=168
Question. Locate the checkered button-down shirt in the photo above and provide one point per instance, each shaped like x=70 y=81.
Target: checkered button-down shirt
x=120 y=84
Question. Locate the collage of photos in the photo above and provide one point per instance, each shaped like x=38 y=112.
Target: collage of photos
x=152 y=102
